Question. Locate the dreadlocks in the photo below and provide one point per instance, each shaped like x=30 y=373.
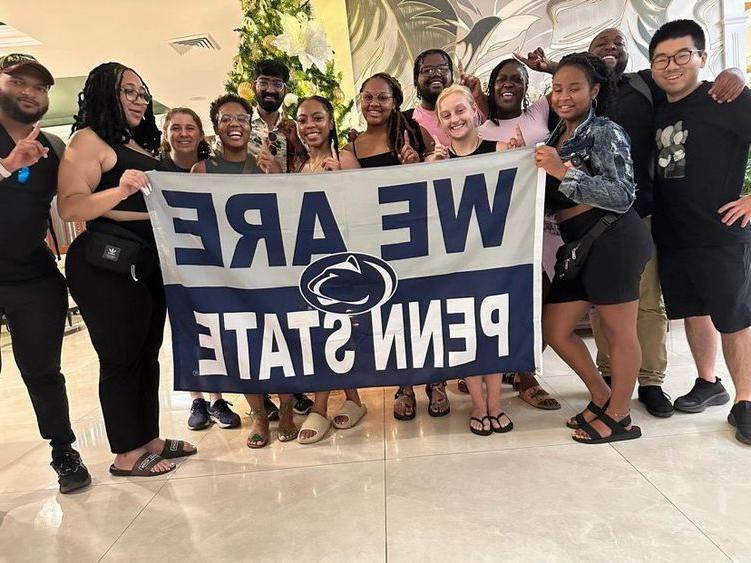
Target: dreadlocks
x=597 y=72
x=398 y=122
x=100 y=109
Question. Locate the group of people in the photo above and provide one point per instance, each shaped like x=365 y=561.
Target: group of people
x=620 y=165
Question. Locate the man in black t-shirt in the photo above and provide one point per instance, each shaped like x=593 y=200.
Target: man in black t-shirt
x=700 y=221
x=33 y=295
x=636 y=98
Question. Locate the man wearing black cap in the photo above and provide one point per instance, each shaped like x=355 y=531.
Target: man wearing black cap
x=33 y=296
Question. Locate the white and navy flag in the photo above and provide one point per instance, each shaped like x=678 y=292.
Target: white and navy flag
x=360 y=278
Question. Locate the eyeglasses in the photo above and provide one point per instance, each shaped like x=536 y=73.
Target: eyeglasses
x=368 y=98
x=241 y=118
x=681 y=58
x=438 y=69
x=265 y=83
x=132 y=94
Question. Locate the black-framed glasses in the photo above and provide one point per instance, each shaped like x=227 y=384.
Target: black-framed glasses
x=381 y=97
x=270 y=82
x=132 y=95
x=681 y=58
x=442 y=70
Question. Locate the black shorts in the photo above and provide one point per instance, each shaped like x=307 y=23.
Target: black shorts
x=614 y=265
x=708 y=280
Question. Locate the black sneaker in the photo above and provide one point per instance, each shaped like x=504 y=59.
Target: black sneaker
x=740 y=418
x=656 y=400
x=303 y=405
x=71 y=472
x=702 y=395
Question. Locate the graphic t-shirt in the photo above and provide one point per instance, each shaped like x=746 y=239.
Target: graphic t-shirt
x=702 y=149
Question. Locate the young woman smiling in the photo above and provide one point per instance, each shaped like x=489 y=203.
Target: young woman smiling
x=183 y=142
x=591 y=186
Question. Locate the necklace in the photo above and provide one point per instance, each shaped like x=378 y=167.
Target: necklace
x=477 y=144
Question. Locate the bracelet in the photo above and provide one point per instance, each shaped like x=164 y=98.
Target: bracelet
x=4 y=172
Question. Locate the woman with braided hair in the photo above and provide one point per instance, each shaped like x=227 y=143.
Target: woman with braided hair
x=591 y=189
x=102 y=181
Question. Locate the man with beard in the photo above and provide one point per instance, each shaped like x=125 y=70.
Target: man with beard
x=434 y=71
x=269 y=122
x=636 y=97
x=33 y=295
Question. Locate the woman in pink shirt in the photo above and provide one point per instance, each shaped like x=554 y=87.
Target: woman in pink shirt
x=508 y=108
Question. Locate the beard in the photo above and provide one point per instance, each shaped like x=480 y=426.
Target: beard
x=10 y=107
x=270 y=105
x=428 y=95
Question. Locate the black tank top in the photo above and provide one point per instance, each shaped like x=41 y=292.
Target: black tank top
x=382 y=159
x=484 y=147
x=129 y=159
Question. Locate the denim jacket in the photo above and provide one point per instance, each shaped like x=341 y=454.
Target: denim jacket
x=604 y=148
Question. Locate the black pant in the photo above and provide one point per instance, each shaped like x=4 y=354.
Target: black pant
x=36 y=311
x=125 y=319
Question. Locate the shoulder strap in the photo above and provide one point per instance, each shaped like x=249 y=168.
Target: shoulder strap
x=56 y=143
x=409 y=113
x=636 y=81
x=602 y=225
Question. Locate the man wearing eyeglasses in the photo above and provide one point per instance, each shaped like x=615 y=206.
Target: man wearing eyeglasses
x=700 y=221
x=33 y=295
x=269 y=122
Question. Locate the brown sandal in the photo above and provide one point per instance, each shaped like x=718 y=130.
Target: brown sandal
x=406 y=401
x=438 y=401
x=257 y=440
x=539 y=398
x=176 y=448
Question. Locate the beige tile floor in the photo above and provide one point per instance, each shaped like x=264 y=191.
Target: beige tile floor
x=385 y=490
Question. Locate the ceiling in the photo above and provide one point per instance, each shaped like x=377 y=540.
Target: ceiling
x=76 y=36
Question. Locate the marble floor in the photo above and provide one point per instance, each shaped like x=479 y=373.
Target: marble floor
x=385 y=490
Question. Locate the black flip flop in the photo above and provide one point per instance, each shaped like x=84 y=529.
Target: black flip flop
x=620 y=433
x=501 y=428
x=142 y=467
x=481 y=432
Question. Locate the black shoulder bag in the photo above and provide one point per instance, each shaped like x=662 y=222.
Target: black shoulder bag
x=571 y=257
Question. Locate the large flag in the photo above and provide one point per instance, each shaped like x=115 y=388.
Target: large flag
x=386 y=276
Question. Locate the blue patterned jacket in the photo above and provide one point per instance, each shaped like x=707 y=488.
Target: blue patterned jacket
x=604 y=149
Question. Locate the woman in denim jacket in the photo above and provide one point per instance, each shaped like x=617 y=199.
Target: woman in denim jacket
x=590 y=183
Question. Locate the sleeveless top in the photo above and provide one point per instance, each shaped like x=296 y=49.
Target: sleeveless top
x=168 y=165
x=217 y=165
x=382 y=159
x=484 y=147
x=128 y=159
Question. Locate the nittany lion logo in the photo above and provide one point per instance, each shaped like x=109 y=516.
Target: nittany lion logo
x=348 y=282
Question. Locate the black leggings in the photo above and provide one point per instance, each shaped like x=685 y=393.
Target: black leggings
x=126 y=325
x=36 y=311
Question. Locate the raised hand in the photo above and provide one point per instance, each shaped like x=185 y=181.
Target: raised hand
x=536 y=60
x=517 y=140
x=408 y=155
x=439 y=153
x=470 y=81
x=266 y=161
x=27 y=152
x=332 y=162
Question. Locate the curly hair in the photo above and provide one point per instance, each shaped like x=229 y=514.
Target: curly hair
x=226 y=99
x=421 y=57
x=333 y=136
x=204 y=151
x=492 y=107
x=100 y=108
x=596 y=72
x=398 y=123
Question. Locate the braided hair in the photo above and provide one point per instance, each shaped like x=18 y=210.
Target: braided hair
x=333 y=136
x=492 y=107
x=421 y=57
x=99 y=108
x=204 y=151
x=398 y=123
x=596 y=72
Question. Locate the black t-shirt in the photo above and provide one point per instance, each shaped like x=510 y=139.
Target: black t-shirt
x=702 y=149
x=485 y=147
x=633 y=111
x=24 y=216
x=168 y=165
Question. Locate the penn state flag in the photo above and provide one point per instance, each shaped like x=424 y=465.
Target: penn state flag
x=387 y=276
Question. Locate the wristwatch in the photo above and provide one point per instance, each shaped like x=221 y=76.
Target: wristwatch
x=4 y=172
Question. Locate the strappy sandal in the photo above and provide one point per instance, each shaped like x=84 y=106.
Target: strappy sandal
x=286 y=433
x=500 y=428
x=405 y=400
x=257 y=440
x=591 y=407
x=439 y=406
x=618 y=428
x=508 y=378
x=481 y=431
x=142 y=467
x=461 y=385
x=539 y=398
x=176 y=448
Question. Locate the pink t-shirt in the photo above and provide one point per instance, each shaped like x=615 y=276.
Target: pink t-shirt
x=533 y=123
x=429 y=121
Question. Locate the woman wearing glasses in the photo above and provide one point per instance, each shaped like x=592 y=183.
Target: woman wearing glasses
x=102 y=181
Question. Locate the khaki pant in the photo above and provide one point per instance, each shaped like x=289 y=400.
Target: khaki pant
x=651 y=326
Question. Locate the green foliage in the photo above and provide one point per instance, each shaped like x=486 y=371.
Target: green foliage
x=261 y=24
x=747 y=179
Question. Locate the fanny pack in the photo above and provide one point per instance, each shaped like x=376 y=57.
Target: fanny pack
x=116 y=249
x=571 y=257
